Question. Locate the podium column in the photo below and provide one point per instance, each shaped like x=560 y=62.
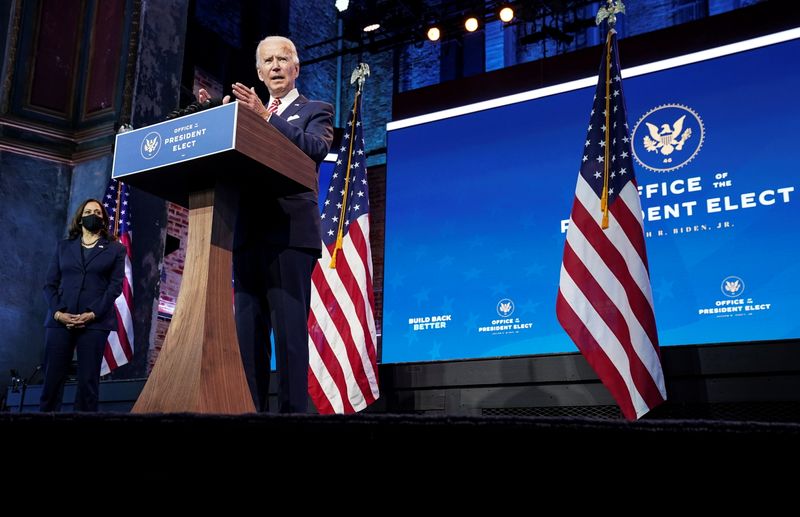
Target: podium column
x=199 y=368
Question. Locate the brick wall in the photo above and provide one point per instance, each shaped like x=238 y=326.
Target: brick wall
x=310 y=23
x=171 y=276
x=419 y=65
x=224 y=17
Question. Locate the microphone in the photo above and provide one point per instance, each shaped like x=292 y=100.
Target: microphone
x=212 y=102
x=16 y=380
x=195 y=107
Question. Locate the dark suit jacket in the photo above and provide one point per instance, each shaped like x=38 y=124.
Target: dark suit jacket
x=289 y=220
x=75 y=287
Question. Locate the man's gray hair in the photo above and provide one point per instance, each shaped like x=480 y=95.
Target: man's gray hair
x=279 y=39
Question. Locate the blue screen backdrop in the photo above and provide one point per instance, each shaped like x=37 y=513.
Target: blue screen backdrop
x=477 y=206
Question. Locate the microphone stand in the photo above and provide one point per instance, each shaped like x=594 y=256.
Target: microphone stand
x=25 y=383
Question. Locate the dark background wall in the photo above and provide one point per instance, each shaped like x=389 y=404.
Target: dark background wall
x=55 y=145
x=154 y=89
x=34 y=195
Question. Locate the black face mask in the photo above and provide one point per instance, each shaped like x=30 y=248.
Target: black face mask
x=93 y=223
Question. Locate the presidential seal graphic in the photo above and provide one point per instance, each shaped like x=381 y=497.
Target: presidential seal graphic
x=505 y=308
x=667 y=137
x=150 y=145
x=732 y=286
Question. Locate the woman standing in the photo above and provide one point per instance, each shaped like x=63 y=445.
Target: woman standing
x=83 y=281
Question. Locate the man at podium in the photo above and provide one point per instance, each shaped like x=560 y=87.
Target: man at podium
x=277 y=240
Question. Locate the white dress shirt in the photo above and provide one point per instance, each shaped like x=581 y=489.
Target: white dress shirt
x=285 y=100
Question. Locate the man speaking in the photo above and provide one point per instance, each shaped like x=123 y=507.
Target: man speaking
x=277 y=239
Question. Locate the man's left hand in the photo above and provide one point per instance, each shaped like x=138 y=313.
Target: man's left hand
x=248 y=97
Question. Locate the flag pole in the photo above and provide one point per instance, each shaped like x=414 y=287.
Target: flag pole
x=608 y=12
x=119 y=200
x=604 y=199
x=359 y=74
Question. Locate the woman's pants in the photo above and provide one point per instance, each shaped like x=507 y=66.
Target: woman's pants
x=60 y=344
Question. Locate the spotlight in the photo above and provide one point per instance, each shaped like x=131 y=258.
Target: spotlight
x=506 y=14
x=471 y=24
x=372 y=27
x=434 y=34
x=342 y=5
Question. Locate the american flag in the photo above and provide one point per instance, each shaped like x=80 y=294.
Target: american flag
x=604 y=298
x=343 y=373
x=119 y=347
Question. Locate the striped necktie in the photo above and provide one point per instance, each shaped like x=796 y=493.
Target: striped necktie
x=273 y=107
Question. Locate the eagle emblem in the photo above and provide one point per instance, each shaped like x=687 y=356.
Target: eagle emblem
x=505 y=307
x=667 y=139
x=732 y=286
x=360 y=74
x=610 y=12
x=151 y=144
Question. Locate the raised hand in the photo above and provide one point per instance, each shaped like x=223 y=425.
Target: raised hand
x=203 y=96
x=247 y=96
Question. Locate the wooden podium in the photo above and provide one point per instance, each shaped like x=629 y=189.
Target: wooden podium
x=203 y=161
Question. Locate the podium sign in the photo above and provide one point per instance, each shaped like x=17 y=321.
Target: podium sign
x=173 y=158
x=187 y=138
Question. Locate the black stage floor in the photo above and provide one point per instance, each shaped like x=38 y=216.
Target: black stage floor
x=489 y=450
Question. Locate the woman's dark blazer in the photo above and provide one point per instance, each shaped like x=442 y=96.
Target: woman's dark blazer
x=75 y=287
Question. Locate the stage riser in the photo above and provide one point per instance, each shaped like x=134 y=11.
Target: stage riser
x=741 y=382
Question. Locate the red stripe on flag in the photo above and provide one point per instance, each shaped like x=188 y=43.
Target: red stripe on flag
x=127 y=292
x=122 y=336
x=108 y=355
x=125 y=240
x=361 y=244
x=595 y=355
x=638 y=302
x=357 y=299
x=615 y=320
x=629 y=222
x=329 y=360
x=331 y=303
x=322 y=403
x=356 y=238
